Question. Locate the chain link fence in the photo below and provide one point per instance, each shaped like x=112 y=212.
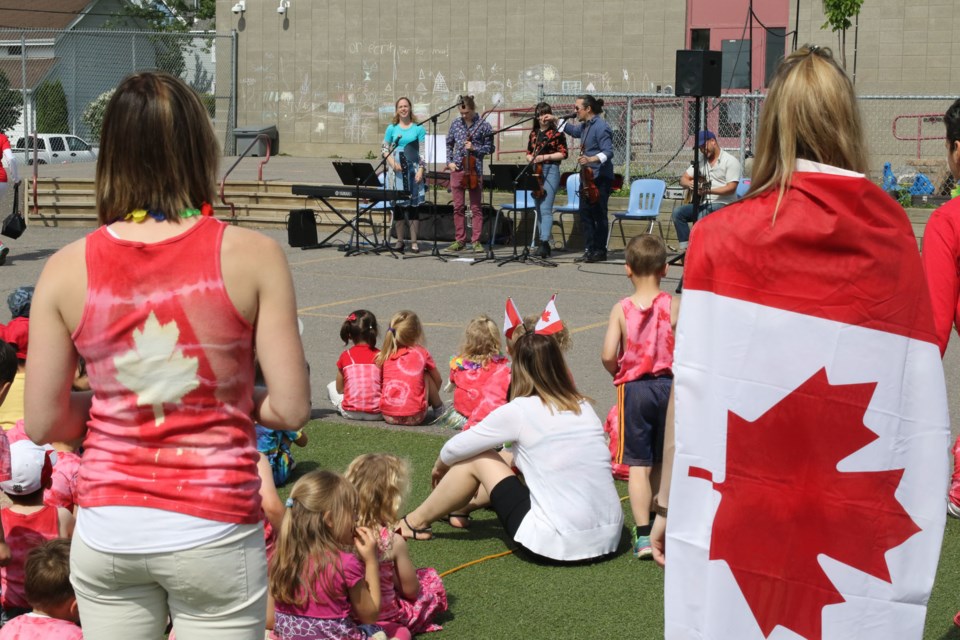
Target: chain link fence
x=58 y=82
x=653 y=134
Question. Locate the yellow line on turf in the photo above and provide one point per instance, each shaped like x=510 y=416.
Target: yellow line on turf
x=473 y=562
x=587 y=327
x=395 y=292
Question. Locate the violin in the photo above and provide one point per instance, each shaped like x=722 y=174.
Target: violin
x=470 y=172
x=588 y=186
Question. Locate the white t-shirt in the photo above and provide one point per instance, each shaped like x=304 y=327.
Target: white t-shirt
x=575 y=512
x=725 y=171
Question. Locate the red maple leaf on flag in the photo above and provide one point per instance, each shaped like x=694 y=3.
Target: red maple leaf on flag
x=545 y=316
x=784 y=503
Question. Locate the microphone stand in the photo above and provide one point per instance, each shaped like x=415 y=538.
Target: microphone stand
x=435 y=251
x=695 y=199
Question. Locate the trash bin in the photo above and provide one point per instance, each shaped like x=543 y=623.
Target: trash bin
x=245 y=135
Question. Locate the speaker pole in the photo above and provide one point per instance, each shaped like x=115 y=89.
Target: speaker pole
x=750 y=52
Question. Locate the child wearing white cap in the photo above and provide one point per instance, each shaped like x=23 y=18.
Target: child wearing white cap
x=27 y=523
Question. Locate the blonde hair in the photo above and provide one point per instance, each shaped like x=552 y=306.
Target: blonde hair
x=481 y=340
x=810 y=112
x=539 y=369
x=396 y=116
x=158 y=150
x=405 y=330
x=381 y=480
x=308 y=545
x=563 y=338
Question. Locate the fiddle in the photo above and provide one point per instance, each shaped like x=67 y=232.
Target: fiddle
x=588 y=186
x=539 y=193
x=470 y=167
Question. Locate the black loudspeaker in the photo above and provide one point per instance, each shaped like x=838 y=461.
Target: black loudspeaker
x=698 y=73
x=302 y=228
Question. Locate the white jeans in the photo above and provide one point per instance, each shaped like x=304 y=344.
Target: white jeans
x=217 y=591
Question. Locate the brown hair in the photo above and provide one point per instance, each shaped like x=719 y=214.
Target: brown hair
x=381 y=481
x=158 y=150
x=563 y=338
x=396 y=105
x=360 y=326
x=646 y=255
x=323 y=503
x=540 y=370
x=47 y=574
x=810 y=112
x=405 y=330
x=469 y=102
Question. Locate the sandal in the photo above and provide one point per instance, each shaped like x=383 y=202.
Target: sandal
x=414 y=533
x=463 y=517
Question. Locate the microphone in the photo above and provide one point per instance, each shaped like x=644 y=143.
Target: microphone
x=568 y=116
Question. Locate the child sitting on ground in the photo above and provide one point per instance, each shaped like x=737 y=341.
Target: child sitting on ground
x=356 y=391
x=410 y=376
x=409 y=598
x=317 y=584
x=27 y=523
x=480 y=375
x=49 y=592
x=16 y=332
x=638 y=353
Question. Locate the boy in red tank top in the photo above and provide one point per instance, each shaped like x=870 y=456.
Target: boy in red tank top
x=27 y=523
x=638 y=353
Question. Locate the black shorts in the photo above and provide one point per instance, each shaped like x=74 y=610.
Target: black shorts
x=642 y=407
x=510 y=500
x=406 y=212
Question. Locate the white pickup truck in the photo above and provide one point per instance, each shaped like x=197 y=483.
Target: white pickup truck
x=54 y=148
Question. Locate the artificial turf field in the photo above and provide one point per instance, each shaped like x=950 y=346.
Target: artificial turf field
x=508 y=597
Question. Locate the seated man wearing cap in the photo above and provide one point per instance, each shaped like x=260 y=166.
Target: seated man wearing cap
x=719 y=175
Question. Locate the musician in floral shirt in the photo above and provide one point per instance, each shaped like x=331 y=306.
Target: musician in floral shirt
x=470 y=138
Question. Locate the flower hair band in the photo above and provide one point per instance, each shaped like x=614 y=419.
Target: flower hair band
x=352 y=317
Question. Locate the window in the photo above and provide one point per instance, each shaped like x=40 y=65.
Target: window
x=15 y=51
x=41 y=145
x=700 y=39
x=776 y=46
x=736 y=64
x=56 y=144
x=76 y=144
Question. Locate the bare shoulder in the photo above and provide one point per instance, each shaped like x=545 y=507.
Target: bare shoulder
x=240 y=245
x=66 y=265
x=239 y=238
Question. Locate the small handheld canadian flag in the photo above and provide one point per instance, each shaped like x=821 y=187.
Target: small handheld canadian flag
x=549 y=322
x=511 y=319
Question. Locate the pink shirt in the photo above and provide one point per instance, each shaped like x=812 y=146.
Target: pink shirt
x=941 y=263
x=63 y=482
x=404 y=389
x=38 y=627
x=361 y=379
x=479 y=390
x=23 y=532
x=647 y=345
x=339 y=583
x=170 y=360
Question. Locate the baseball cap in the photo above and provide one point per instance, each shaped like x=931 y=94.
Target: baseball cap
x=17 y=333
x=30 y=468
x=19 y=302
x=705 y=135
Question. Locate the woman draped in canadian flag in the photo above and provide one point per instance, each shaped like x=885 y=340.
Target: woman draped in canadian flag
x=808 y=487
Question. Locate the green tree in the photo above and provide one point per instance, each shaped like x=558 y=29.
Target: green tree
x=52 y=113
x=838 y=14
x=93 y=114
x=11 y=104
x=166 y=17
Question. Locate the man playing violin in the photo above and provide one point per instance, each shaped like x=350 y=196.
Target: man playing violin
x=719 y=176
x=469 y=139
x=596 y=157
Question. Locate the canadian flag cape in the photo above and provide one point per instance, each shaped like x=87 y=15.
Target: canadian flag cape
x=812 y=433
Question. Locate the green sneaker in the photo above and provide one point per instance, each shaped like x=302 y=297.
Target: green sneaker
x=641 y=547
x=478 y=248
x=457 y=246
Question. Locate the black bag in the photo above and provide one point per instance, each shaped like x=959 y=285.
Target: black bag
x=14 y=224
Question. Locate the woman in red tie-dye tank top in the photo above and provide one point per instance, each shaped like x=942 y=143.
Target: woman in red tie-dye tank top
x=166 y=307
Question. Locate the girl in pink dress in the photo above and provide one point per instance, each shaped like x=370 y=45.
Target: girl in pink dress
x=324 y=573
x=356 y=391
x=409 y=598
x=480 y=375
x=410 y=376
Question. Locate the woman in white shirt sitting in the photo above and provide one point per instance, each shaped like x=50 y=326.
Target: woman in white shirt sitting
x=567 y=508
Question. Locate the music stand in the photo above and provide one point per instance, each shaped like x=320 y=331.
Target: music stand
x=364 y=174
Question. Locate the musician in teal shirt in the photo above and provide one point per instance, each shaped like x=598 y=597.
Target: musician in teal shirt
x=406 y=137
